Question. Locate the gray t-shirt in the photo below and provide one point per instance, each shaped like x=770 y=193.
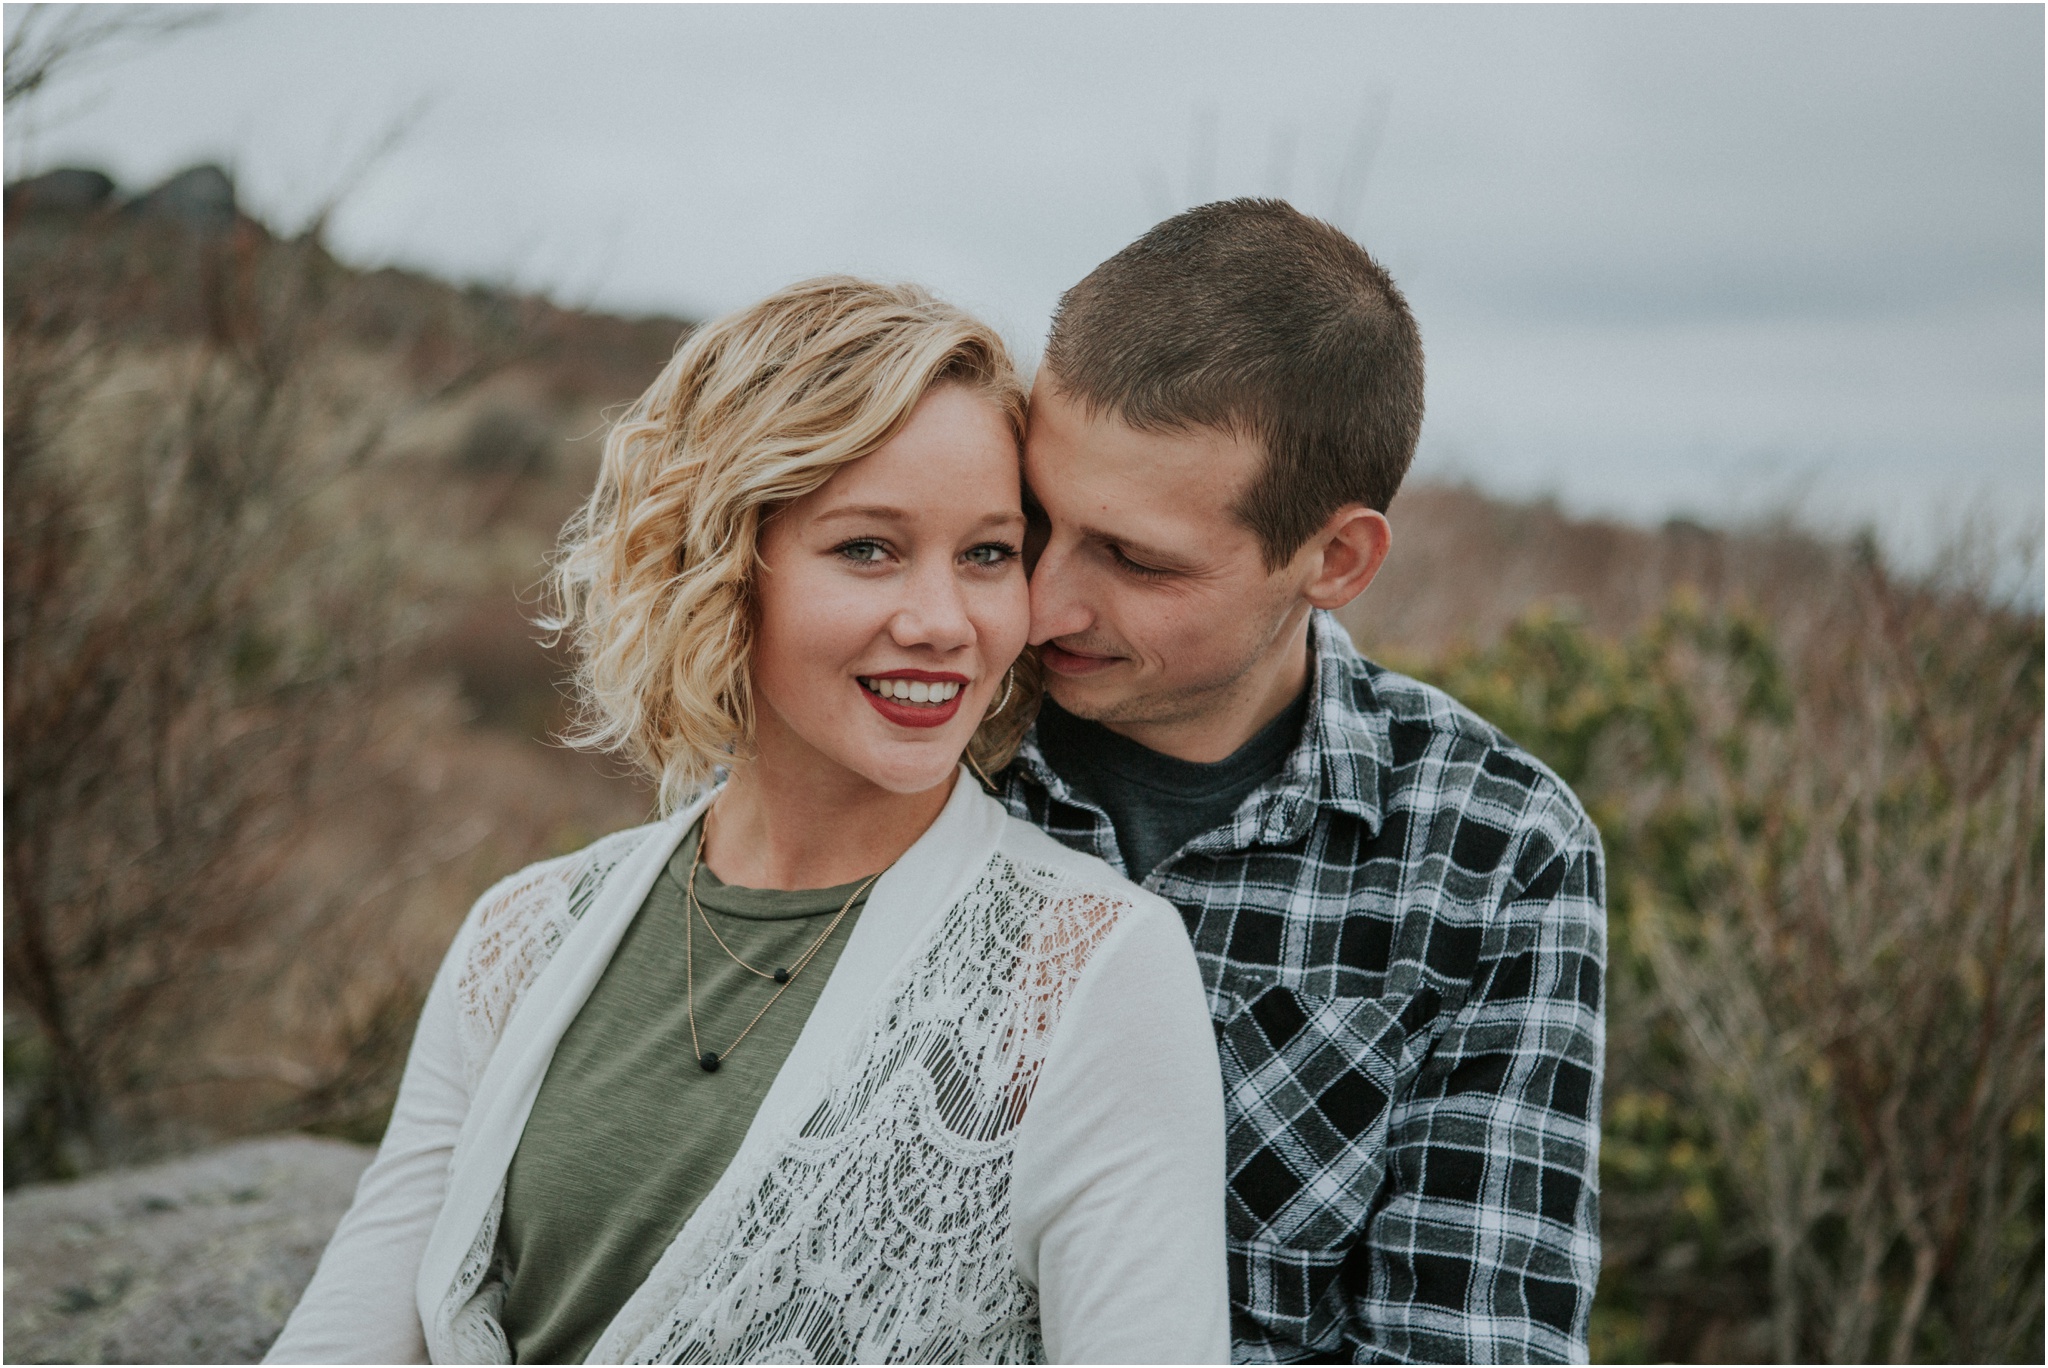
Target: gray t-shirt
x=1158 y=803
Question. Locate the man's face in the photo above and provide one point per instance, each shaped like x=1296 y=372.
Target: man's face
x=1152 y=601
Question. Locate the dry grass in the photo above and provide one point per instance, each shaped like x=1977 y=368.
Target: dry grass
x=1465 y=568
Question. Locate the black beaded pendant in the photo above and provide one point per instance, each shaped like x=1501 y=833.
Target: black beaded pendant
x=782 y=975
x=709 y=1061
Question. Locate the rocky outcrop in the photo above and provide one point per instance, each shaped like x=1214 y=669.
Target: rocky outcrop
x=67 y=190
x=198 y=1260
x=201 y=198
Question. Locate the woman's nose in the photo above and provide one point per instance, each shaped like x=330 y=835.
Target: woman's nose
x=934 y=611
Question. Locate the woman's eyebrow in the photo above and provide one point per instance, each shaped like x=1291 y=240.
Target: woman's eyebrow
x=886 y=513
x=881 y=512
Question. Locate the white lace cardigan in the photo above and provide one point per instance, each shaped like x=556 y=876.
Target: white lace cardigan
x=999 y=1136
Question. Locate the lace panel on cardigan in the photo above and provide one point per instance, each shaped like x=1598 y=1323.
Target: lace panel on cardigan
x=468 y=1317
x=515 y=929
x=881 y=1232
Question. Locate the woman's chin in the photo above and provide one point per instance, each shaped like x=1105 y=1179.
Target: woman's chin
x=919 y=772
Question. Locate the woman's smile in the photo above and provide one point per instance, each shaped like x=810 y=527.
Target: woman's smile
x=915 y=698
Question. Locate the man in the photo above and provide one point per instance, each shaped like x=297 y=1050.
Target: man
x=1398 y=912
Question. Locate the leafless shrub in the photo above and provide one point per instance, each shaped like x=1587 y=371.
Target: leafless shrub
x=204 y=606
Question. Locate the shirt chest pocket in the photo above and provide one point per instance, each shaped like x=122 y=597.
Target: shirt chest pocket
x=1308 y=1082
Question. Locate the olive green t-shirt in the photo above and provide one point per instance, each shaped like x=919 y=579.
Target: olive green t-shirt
x=629 y=1133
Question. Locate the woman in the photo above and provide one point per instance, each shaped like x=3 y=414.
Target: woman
x=838 y=1062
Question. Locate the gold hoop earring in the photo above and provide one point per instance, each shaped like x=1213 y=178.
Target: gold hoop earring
x=1009 y=687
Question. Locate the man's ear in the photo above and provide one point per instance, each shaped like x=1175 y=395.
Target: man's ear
x=1348 y=552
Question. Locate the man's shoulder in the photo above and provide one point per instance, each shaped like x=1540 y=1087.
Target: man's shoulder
x=1439 y=756
x=1024 y=842
x=1077 y=878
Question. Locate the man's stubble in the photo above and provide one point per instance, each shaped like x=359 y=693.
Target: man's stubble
x=1216 y=695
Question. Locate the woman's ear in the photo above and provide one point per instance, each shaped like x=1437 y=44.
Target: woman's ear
x=1349 y=551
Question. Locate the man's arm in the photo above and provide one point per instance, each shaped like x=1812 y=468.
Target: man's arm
x=1487 y=1248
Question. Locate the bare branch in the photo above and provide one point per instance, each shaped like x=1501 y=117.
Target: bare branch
x=50 y=41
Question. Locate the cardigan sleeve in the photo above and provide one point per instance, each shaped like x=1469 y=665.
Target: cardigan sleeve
x=1117 y=1196
x=361 y=1306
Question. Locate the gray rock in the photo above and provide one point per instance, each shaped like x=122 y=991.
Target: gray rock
x=67 y=190
x=202 y=198
x=194 y=1261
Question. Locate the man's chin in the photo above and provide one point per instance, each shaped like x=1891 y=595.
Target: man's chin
x=1084 y=697
x=1094 y=698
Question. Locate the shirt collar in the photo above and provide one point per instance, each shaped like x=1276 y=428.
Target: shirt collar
x=1337 y=763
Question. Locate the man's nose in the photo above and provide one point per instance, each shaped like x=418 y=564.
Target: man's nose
x=1057 y=605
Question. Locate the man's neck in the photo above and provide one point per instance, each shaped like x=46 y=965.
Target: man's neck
x=1236 y=714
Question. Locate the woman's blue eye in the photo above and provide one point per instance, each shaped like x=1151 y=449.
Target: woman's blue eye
x=866 y=550
x=991 y=553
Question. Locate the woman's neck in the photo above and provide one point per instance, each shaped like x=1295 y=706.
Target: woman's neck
x=792 y=826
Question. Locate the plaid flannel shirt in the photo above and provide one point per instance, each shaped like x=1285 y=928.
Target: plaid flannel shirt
x=1403 y=937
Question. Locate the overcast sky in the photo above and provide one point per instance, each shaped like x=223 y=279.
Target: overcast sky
x=1692 y=261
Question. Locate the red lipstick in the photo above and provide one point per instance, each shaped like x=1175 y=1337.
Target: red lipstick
x=907 y=714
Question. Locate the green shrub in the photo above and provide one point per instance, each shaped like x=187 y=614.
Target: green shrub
x=1822 y=1136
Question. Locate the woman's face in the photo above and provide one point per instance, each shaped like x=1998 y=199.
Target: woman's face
x=900 y=575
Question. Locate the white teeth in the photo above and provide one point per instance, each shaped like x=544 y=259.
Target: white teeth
x=913 y=690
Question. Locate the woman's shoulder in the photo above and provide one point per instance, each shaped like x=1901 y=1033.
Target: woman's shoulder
x=1098 y=937
x=549 y=894
x=513 y=930
x=574 y=876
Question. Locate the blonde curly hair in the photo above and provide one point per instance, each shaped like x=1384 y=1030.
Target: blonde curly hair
x=654 y=580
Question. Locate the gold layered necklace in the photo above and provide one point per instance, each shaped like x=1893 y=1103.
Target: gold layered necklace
x=782 y=977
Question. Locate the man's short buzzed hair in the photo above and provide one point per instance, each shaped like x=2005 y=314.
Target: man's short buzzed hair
x=1250 y=316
